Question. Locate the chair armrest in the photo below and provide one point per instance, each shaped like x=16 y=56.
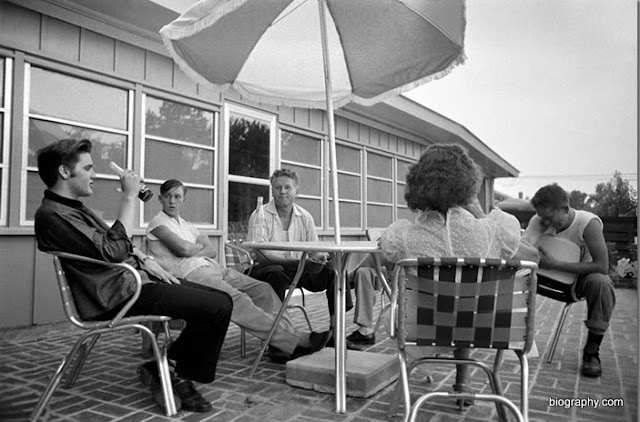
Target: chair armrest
x=393 y=312
x=242 y=252
x=127 y=267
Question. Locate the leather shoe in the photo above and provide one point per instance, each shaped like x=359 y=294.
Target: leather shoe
x=591 y=366
x=149 y=377
x=192 y=400
x=278 y=356
x=358 y=338
x=318 y=341
x=350 y=346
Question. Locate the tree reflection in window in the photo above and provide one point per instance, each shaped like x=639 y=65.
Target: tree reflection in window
x=169 y=125
x=249 y=147
x=180 y=122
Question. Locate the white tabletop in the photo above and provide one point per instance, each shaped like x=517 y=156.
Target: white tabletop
x=365 y=246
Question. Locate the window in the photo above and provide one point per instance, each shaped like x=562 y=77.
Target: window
x=349 y=187
x=250 y=141
x=402 y=169
x=379 y=190
x=303 y=154
x=180 y=143
x=64 y=106
x=5 y=102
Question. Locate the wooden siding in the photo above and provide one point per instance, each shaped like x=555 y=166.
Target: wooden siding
x=28 y=291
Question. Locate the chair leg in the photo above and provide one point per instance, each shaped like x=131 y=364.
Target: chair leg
x=163 y=369
x=77 y=363
x=556 y=336
x=304 y=313
x=67 y=361
x=524 y=384
x=497 y=384
x=243 y=343
x=498 y=399
x=402 y=389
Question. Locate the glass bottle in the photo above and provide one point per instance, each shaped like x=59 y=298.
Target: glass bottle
x=258 y=227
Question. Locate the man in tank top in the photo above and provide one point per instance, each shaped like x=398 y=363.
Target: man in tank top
x=554 y=217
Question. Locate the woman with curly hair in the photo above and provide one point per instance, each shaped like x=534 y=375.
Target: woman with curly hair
x=442 y=189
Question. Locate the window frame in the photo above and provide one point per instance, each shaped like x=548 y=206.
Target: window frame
x=26 y=169
x=329 y=191
x=394 y=193
x=323 y=187
x=5 y=111
x=214 y=187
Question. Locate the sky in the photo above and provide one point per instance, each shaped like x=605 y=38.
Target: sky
x=551 y=87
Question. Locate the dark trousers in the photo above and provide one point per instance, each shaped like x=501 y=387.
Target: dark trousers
x=207 y=313
x=280 y=278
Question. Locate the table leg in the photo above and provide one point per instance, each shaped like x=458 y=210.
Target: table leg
x=339 y=335
x=283 y=308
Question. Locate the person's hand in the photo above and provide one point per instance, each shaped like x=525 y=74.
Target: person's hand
x=546 y=260
x=153 y=268
x=130 y=183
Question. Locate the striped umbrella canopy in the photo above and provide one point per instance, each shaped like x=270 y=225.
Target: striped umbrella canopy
x=318 y=53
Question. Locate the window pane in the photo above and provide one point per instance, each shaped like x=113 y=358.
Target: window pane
x=58 y=95
x=310 y=180
x=105 y=146
x=170 y=161
x=405 y=213
x=178 y=121
x=105 y=201
x=198 y=206
x=1 y=82
x=401 y=190
x=1 y=136
x=379 y=191
x=348 y=159
x=403 y=169
x=348 y=187
x=248 y=147
x=314 y=207
x=242 y=202
x=300 y=148
x=349 y=214
x=379 y=165
x=379 y=216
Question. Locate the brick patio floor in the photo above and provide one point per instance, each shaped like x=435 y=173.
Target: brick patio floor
x=107 y=389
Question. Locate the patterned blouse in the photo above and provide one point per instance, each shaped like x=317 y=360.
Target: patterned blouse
x=460 y=234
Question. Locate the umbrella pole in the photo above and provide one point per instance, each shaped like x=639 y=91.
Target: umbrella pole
x=339 y=295
x=330 y=120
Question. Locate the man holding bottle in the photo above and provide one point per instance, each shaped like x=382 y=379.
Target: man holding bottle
x=286 y=221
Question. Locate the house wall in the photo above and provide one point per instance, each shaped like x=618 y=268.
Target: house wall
x=29 y=39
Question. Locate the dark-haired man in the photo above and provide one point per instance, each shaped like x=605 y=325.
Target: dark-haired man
x=555 y=217
x=63 y=223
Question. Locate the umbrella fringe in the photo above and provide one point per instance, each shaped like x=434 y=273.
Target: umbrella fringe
x=415 y=84
x=173 y=31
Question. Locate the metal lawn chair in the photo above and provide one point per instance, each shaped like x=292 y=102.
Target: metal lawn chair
x=72 y=364
x=463 y=302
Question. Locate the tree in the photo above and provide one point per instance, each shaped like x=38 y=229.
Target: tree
x=615 y=197
x=579 y=200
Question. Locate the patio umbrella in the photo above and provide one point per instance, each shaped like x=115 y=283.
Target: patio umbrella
x=318 y=53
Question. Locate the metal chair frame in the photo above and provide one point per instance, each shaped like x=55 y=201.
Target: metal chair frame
x=73 y=362
x=521 y=281
x=374 y=234
x=565 y=293
x=235 y=247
